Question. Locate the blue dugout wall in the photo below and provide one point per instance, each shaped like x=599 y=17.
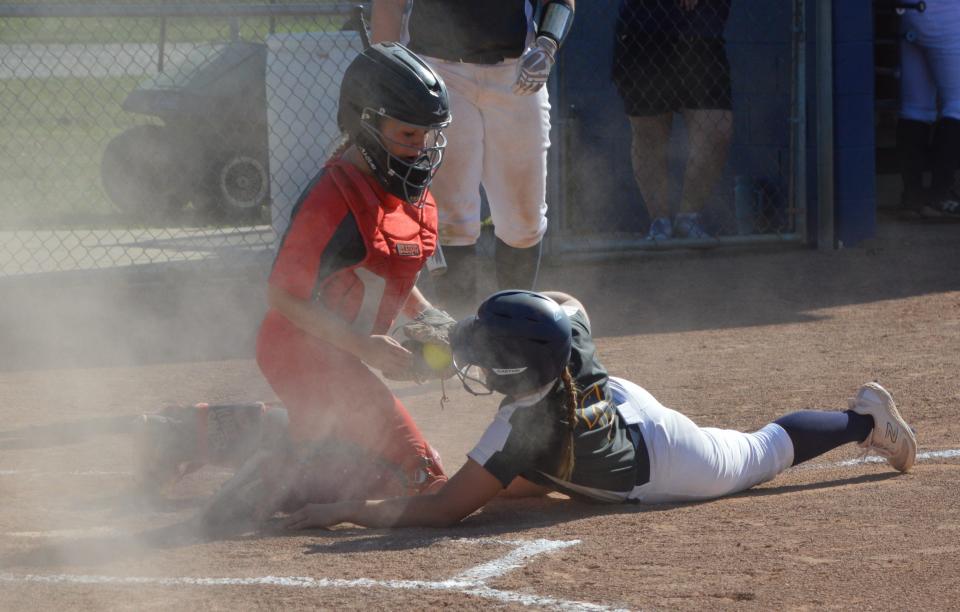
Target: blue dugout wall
x=599 y=196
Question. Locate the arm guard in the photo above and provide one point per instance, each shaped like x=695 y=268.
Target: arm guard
x=555 y=22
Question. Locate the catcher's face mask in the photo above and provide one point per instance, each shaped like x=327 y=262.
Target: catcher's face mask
x=402 y=155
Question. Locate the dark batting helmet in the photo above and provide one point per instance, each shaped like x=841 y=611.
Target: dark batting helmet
x=389 y=80
x=521 y=339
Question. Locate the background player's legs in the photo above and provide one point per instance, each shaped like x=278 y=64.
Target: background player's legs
x=517 y=268
x=944 y=63
x=918 y=111
x=946 y=160
x=516 y=140
x=648 y=154
x=710 y=132
x=913 y=138
x=456 y=188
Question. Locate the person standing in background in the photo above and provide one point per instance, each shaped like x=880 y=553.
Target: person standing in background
x=495 y=58
x=930 y=69
x=669 y=58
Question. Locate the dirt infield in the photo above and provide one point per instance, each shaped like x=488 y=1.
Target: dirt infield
x=732 y=339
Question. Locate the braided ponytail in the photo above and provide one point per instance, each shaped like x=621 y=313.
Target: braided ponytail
x=571 y=401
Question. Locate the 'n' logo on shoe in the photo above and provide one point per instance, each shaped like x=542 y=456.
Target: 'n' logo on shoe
x=891 y=432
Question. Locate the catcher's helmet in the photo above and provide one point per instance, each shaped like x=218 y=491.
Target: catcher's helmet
x=388 y=80
x=521 y=339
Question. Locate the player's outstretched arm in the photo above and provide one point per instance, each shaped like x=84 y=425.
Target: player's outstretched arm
x=469 y=489
x=521 y=487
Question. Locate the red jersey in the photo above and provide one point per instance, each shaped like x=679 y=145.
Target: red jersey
x=355 y=248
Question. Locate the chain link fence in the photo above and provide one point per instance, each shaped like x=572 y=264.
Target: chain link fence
x=683 y=128
x=151 y=132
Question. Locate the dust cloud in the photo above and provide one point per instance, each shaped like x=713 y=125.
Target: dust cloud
x=85 y=354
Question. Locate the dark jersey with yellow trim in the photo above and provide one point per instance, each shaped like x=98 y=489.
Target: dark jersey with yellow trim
x=525 y=437
x=470 y=31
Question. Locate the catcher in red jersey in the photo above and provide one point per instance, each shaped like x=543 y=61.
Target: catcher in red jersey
x=345 y=270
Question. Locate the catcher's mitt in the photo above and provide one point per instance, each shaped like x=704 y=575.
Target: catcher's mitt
x=432 y=326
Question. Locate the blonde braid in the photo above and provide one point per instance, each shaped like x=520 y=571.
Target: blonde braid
x=565 y=465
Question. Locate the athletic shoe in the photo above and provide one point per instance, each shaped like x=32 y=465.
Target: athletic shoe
x=688 y=226
x=660 y=229
x=890 y=437
x=949 y=205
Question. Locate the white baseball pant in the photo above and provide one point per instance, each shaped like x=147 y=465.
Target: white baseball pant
x=499 y=139
x=930 y=64
x=688 y=462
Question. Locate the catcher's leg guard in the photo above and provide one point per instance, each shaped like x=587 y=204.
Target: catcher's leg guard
x=517 y=268
x=182 y=439
x=334 y=470
x=260 y=483
x=324 y=471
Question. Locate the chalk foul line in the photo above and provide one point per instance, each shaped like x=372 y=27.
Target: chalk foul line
x=470 y=582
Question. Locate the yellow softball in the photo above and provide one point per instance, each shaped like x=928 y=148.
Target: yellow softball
x=437 y=356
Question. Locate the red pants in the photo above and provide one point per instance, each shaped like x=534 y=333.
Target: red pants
x=329 y=393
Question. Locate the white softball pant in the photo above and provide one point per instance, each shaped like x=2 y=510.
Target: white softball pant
x=688 y=462
x=499 y=139
x=930 y=64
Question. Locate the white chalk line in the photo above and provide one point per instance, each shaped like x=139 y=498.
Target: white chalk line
x=470 y=582
x=95 y=473
x=952 y=453
x=67 y=533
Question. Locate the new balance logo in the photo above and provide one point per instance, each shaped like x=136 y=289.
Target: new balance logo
x=891 y=432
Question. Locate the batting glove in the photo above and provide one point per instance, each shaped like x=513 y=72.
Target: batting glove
x=534 y=66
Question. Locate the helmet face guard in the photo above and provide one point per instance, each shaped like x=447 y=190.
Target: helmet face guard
x=406 y=177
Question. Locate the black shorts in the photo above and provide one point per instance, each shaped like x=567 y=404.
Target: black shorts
x=657 y=72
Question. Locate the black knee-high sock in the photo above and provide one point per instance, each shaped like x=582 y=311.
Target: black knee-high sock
x=517 y=268
x=814 y=432
x=913 y=138
x=946 y=146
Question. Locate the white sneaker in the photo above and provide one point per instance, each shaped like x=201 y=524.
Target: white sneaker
x=890 y=437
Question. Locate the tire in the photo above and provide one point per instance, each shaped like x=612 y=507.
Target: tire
x=236 y=188
x=139 y=172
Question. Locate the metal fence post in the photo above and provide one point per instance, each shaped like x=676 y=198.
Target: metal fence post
x=826 y=235
x=798 y=133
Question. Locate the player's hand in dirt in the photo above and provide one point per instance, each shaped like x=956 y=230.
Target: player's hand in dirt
x=314 y=516
x=385 y=354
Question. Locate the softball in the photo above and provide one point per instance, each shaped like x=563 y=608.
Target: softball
x=437 y=356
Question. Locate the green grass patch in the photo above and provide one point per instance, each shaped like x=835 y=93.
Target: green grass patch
x=52 y=134
x=53 y=130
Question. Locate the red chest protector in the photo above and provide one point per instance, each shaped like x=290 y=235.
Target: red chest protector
x=398 y=237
